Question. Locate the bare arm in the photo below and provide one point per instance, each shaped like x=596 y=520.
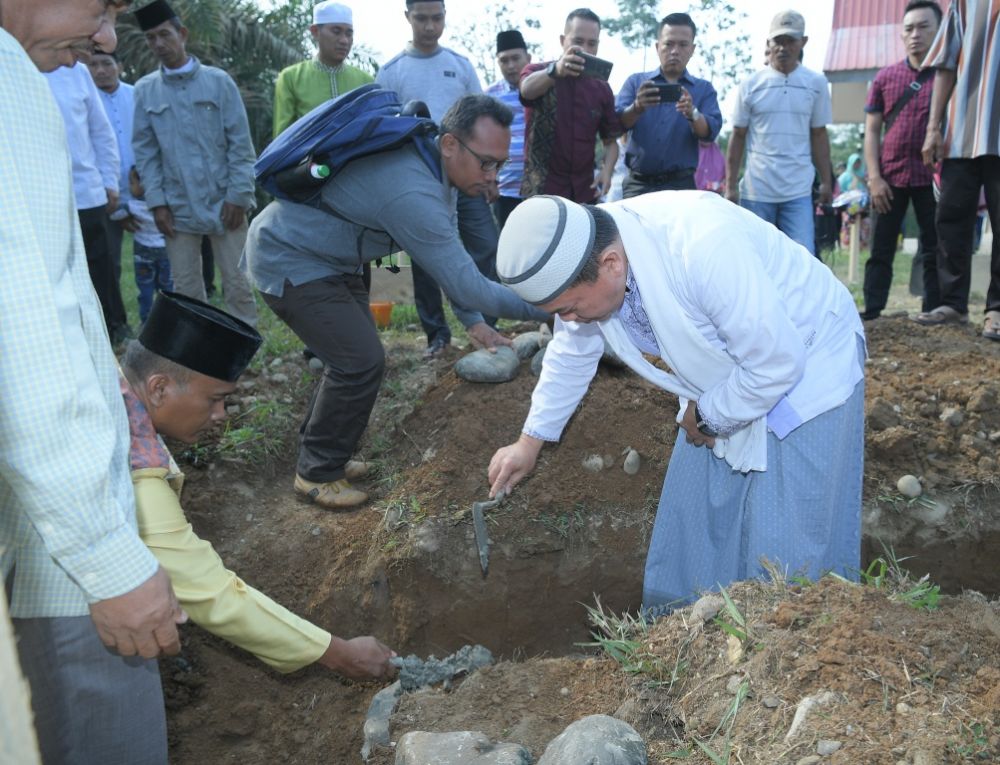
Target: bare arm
x=819 y=142
x=944 y=84
x=734 y=158
x=880 y=192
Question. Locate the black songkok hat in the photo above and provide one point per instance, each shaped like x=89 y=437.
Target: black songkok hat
x=509 y=40
x=153 y=14
x=199 y=337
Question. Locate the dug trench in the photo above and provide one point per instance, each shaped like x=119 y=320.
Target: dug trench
x=406 y=568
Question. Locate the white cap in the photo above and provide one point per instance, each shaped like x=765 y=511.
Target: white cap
x=329 y=12
x=543 y=247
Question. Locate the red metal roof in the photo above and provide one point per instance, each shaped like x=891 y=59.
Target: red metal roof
x=866 y=34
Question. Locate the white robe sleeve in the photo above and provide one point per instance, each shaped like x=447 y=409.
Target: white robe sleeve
x=570 y=362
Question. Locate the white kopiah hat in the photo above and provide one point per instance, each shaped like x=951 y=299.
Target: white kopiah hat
x=543 y=247
x=329 y=12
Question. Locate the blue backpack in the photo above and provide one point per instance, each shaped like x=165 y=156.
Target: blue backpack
x=318 y=145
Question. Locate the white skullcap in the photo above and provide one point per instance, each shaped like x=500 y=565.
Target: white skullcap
x=329 y=12
x=543 y=247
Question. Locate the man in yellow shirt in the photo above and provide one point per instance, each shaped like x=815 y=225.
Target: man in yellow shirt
x=176 y=379
x=302 y=87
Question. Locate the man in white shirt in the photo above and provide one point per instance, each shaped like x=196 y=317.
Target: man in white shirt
x=767 y=357
x=780 y=119
x=119 y=106
x=94 y=149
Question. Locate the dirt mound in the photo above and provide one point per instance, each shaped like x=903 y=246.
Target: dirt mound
x=405 y=569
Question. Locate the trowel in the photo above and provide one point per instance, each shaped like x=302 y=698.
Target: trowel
x=479 y=524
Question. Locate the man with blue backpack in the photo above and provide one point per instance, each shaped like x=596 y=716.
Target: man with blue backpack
x=306 y=259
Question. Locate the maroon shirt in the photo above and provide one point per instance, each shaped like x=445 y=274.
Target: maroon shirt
x=901 y=163
x=560 y=135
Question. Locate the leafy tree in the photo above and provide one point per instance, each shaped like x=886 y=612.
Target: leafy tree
x=724 y=55
x=477 y=38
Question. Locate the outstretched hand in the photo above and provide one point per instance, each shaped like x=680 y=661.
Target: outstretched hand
x=512 y=463
x=483 y=335
x=359 y=658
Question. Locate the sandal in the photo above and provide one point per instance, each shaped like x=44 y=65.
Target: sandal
x=991 y=327
x=943 y=314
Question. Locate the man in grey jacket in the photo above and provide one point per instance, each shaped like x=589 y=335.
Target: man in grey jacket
x=194 y=155
x=307 y=265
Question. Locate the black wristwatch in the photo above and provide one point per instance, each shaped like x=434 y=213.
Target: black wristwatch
x=703 y=426
x=550 y=70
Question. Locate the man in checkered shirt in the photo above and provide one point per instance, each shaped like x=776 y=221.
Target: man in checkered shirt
x=896 y=172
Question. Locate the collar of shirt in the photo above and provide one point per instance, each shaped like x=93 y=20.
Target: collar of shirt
x=326 y=67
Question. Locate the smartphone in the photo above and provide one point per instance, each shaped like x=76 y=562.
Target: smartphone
x=669 y=91
x=595 y=67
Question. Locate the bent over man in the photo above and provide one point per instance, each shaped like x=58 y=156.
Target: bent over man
x=307 y=264
x=767 y=353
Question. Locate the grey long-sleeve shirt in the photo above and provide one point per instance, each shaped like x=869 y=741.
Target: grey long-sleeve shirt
x=192 y=145
x=392 y=202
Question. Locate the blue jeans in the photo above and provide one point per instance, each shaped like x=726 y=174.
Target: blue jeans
x=152 y=272
x=794 y=218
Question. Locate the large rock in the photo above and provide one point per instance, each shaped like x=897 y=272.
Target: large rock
x=415 y=672
x=596 y=740
x=536 y=362
x=527 y=344
x=485 y=367
x=376 y=729
x=459 y=748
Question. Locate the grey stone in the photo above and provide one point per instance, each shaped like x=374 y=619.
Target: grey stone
x=457 y=748
x=527 y=345
x=593 y=463
x=733 y=685
x=825 y=747
x=536 y=362
x=596 y=740
x=881 y=414
x=376 y=729
x=706 y=607
x=485 y=367
x=544 y=334
x=316 y=364
x=632 y=462
x=811 y=759
x=952 y=416
x=415 y=672
x=279 y=378
x=771 y=702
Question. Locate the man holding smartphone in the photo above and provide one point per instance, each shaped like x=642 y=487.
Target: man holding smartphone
x=668 y=112
x=567 y=103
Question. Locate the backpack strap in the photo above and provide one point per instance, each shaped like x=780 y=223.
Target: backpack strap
x=915 y=87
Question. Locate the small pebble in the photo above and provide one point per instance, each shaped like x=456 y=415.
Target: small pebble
x=564 y=691
x=733 y=685
x=277 y=362
x=825 y=748
x=771 y=702
x=811 y=759
x=594 y=463
x=902 y=708
x=909 y=486
x=632 y=462
x=315 y=531
x=249 y=517
x=315 y=364
x=279 y=377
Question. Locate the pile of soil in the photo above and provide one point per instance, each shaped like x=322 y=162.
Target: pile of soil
x=404 y=568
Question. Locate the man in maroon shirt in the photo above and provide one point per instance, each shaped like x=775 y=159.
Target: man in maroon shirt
x=896 y=172
x=564 y=112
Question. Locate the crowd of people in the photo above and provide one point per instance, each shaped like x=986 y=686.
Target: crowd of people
x=764 y=345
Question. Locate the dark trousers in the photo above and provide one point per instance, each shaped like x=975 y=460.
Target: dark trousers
x=885 y=235
x=479 y=235
x=332 y=318
x=961 y=180
x=503 y=207
x=96 y=229
x=208 y=265
x=635 y=184
x=91 y=705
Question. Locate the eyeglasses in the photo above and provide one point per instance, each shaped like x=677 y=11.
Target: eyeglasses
x=487 y=164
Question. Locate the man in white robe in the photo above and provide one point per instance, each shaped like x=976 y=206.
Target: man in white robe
x=767 y=357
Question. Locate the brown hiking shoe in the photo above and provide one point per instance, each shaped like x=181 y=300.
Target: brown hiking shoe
x=355 y=469
x=335 y=495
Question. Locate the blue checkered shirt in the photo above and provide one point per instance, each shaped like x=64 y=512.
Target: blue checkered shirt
x=67 y=513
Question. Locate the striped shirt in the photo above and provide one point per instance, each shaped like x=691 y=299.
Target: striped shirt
x=901 y=163
x=67 y=512
x=969 y=44
x=509 y=177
